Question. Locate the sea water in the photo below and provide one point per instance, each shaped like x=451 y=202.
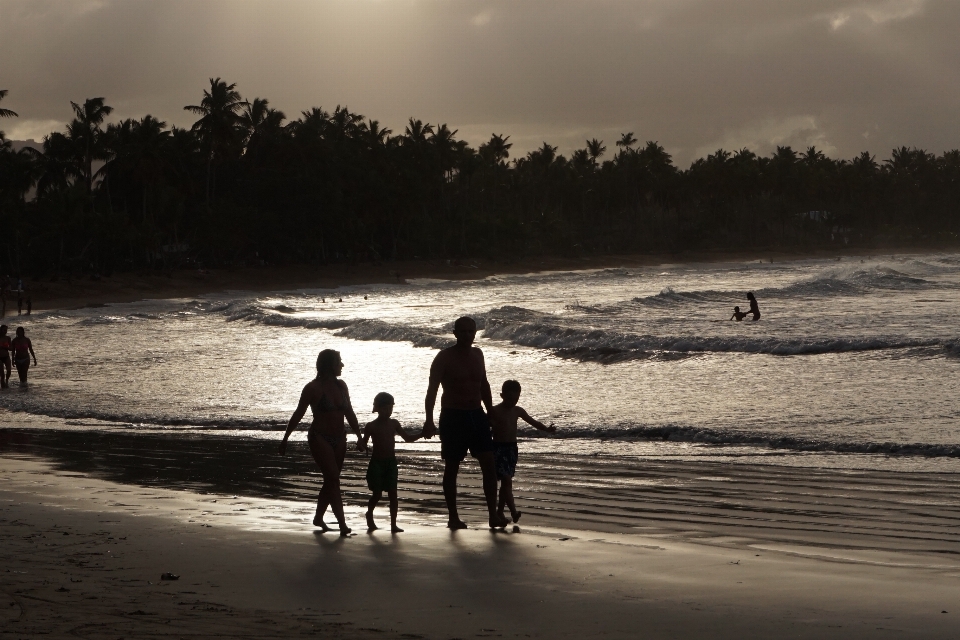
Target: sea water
x=854 y=361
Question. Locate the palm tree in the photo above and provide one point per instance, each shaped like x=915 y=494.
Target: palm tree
x=258 y=116
x=219 y=125
x=446 y=146
x=18 y=172
x=58 y=168
x=813 y=156
x=311 y=124
x=85 y=129
x=260 y=122
x=626 y=141
x=417 y=132
x=138 y=148
x=595 y=149
x=345 y=124
x=496 y=150
x=375 y=135
x=5 y=113
x=865 y=163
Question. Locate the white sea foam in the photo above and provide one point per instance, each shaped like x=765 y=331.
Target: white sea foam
x=848 y=357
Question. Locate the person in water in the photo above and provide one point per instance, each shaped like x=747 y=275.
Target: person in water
x=503 y=419
x=5 y=347
x=754 y=309
x=327 y=396
x=464 y=426
x=382 y=473
x=737 y=314
x=22 y=350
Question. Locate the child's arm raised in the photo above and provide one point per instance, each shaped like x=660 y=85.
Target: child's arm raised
x=535 y=423
x=400 y=431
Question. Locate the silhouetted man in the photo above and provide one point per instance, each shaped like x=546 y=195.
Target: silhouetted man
x=463 y=424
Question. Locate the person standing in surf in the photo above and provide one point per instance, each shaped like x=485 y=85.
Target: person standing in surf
x=22 y=350
x=754 y=309
x=327 y=396
x=5 y=347
x=464 y=426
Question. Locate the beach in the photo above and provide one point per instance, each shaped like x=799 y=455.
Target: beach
x=708 y=480
x=84 y=557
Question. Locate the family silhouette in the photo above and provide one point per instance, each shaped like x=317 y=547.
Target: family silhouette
x=466 y=414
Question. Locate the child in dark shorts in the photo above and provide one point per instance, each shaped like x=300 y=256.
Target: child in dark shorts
x=503 y=420
x=382 y=472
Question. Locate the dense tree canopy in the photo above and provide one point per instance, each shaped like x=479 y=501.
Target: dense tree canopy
x=246 y=184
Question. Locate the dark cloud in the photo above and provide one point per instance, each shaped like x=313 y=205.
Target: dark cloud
x=694 y=74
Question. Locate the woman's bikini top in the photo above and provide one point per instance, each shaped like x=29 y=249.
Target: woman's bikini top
x=21 y=347
x=324 y=405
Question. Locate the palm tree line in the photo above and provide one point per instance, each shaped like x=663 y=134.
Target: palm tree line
x=246 y=184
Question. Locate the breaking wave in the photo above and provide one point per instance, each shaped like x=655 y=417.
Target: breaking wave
x=526 y=328
x=668 y=433
x=834 y=283
x=720 y=437
x=523 y=327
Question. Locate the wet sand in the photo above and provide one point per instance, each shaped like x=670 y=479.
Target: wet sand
x=605 y=548
x=74 y=292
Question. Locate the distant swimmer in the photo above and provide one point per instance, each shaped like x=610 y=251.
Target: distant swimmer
x=22 y=350
x=754 y=309
x=737 y=314
x=5 y=348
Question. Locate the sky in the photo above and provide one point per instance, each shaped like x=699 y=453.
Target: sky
x=694 y=75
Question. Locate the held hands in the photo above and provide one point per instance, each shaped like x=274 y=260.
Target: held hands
x=551 y=428
x=429 y=430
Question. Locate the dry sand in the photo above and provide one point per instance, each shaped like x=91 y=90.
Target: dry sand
x=83 y=556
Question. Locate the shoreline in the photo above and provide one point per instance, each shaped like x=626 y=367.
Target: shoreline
x=78 y=293
x=806 y=506
x=84 y=556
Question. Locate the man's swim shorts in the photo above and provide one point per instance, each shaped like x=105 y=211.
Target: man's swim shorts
x=462 y=430
x=505 y=457
x=382 y=475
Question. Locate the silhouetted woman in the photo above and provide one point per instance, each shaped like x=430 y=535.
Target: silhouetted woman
x=329 y=399
x=754 y=309
x=6 y=346
x=22 y=350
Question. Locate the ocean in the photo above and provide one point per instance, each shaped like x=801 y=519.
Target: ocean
x=853 y=364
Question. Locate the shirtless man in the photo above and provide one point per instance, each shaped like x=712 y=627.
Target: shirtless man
x=463 y=424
